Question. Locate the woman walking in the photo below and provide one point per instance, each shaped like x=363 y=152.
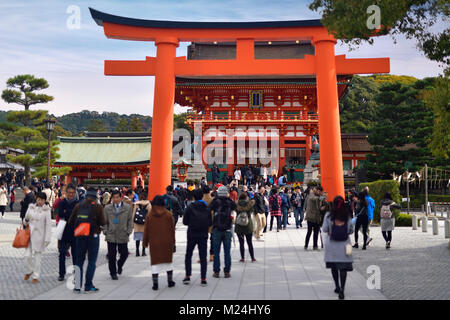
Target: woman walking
x=159 y=235
x=387 y=218
x=244 y=229
x=12 y=199
x=337 y=226
x=362 y=219
x=141 y=209
x=38 y=218
x=3 y=197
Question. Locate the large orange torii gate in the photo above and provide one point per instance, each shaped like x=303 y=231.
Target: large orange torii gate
x=166 y=65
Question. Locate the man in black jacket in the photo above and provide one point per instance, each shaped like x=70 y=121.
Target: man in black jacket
x=172 y=203
x=65 y=209
x=198 y=219
x=29 y=198
x=259 y=211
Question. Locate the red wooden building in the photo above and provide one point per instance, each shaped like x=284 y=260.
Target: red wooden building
x=285 y=103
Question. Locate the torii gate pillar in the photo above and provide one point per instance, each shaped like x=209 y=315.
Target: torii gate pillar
x=162 y=123
x=332 y=178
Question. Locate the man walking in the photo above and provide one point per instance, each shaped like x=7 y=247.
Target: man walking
x=312 y=216
x=370 y=209
x=119 y=226
x=259 y=211
x=198 y=219
x=285 y=205
x=87 y=219
x=222 y=206
x=27 y=200
x=297 y=203
x=172 y=203
x=65 y=208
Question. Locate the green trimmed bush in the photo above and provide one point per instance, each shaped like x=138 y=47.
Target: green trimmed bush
x=403 y=220
x=377 y=190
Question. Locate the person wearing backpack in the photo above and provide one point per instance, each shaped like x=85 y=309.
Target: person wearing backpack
x=141 y=209
x=275 y=208
x=259 y=211
x=387 y=218
x=337 y=226
x=198 y=218
x=119 y=226
x=87 y=220
x=244 y=225
x=222 y=207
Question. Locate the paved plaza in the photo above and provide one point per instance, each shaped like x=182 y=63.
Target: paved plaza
x=415 y=268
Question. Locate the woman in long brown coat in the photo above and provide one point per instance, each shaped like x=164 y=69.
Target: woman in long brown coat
x=159 y=235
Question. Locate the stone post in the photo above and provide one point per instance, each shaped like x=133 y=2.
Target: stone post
x=435 y=226
x=424 y=224
x=447 y=229
x=414 y=222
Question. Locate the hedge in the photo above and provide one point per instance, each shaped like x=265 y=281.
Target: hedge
x=403 y=220
x=378 y=189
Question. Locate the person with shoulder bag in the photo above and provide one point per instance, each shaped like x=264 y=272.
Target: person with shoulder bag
x=337 y=226
x=38 y=219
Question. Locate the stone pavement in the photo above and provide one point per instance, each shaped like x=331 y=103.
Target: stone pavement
x=283 y=271
x=12 y=264
x=415 y=268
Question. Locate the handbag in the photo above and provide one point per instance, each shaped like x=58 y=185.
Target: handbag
x=60 y=229
x=348 y=249
x=22 y=238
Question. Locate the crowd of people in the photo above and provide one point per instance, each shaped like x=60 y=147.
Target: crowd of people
x=213 y=216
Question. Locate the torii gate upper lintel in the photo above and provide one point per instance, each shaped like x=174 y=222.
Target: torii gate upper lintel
x=166 y=66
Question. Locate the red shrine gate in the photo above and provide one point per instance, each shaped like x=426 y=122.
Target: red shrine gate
x=166 y=66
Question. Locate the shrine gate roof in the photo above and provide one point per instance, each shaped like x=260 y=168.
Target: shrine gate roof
x=103 y=151
x=101 y=17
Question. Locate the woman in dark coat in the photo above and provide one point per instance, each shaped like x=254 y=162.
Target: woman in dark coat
x=159 y=235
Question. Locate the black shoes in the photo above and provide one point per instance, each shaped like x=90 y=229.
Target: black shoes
x=186 y=280
x=388 y=245
x=203 y=283
x=61 y=278
x=341 y=295
x=119 y=270
x=171 y=284
x=114 y=277
x=355 y=246
x=337 y=290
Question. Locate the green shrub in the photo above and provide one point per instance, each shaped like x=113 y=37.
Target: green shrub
x=403 y=220
x=377 y=190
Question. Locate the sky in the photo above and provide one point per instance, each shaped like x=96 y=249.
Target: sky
x=35 y=39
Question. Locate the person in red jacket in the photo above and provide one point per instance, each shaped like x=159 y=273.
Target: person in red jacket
x=275 y=208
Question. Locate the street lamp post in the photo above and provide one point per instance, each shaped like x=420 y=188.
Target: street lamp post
x=50 y=125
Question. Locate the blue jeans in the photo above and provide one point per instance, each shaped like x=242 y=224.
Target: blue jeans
x=298 y=214
x=217 y=238
x=90 y=245
x=284 y=216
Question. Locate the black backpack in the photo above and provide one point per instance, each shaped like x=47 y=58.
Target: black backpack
x=84 y=221
x=222 y=218
x=199 y=218
x=274 y=203
x=140 y=214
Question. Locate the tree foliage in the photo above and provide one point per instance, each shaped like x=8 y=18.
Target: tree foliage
x=415 y=19
x=401 y=132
